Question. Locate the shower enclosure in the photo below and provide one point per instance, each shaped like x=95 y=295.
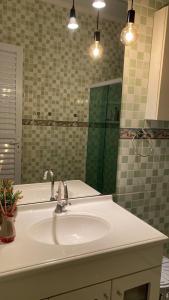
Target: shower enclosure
x=103 y=136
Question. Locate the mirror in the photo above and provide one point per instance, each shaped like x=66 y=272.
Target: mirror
x=71 y=102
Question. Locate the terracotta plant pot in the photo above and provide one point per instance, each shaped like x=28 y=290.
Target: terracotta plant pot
x=7 y=229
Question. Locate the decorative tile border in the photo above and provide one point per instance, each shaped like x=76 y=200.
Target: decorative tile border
x=139 y=133
x=68 y=123
x=125 y=133
x=54 y=123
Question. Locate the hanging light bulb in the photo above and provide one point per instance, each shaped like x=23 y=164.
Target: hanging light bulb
x=96 y=49
x=99 y=4
x=73 y=25
x=129 y=33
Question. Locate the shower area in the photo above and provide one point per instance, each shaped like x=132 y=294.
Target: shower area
x=103 y=136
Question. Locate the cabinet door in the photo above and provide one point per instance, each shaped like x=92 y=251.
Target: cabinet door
x=100 y=291
x=158 y=86
x=140 y=286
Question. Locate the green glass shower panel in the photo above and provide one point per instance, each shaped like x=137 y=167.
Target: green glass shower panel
x=96 y=134
x=98 y=104
x=95 y=152
x=103 y=137
x=114 y=102
x=110 y=159
x=111 y=138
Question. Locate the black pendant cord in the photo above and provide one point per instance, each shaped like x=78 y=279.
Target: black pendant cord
x=72 y=11
x=97 y=32
x=98 y=20
x=131 y=14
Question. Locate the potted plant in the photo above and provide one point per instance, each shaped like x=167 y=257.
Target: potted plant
x=8 y=202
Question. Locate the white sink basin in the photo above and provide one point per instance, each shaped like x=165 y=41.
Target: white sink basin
x=90 y=226
x=69 y=229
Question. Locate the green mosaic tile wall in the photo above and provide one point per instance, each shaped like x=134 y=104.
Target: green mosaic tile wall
x=57 y=74
x=142 y=182
x=61 y=147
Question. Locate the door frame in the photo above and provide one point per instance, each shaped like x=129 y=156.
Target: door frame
x=108 y=82
x=18 y=50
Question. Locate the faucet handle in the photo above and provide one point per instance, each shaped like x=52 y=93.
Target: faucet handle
x=58 y=195
x=45 y=175
x=66 y=197
x=51 y=172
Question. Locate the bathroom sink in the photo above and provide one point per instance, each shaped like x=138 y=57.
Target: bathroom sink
x=90 y=226
x=69 y=229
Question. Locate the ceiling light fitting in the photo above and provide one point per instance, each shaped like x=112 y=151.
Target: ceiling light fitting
x=96 y=50
x=99 y=4
x=129 y=34
x=73 y=25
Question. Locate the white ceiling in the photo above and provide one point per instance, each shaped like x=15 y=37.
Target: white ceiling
x=114 y=10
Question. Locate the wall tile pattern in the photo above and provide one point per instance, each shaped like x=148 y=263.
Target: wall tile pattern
x=58 y=72
x=143 y=182
x=61 y=147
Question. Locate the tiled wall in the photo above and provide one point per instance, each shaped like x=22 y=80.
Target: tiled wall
x=142 y=182
x=57 y=74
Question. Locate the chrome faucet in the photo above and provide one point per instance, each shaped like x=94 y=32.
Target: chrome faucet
x=61 y=203
x=51 y=175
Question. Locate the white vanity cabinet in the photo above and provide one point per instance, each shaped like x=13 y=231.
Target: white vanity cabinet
x=158 y=87
x=100 y=291
x=124 y=264
x=139 y=286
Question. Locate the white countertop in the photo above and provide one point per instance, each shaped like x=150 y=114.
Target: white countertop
x=126 y=231
x=41 y=192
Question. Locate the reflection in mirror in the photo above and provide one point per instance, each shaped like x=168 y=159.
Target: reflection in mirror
x=70 y=102
x=103 y=136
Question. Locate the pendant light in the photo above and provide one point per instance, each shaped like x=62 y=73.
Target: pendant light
x=73 y=25
x=129 y=34
x=99 y=4
x=96 y=50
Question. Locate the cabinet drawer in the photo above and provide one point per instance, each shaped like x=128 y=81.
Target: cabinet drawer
x=100 y=291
